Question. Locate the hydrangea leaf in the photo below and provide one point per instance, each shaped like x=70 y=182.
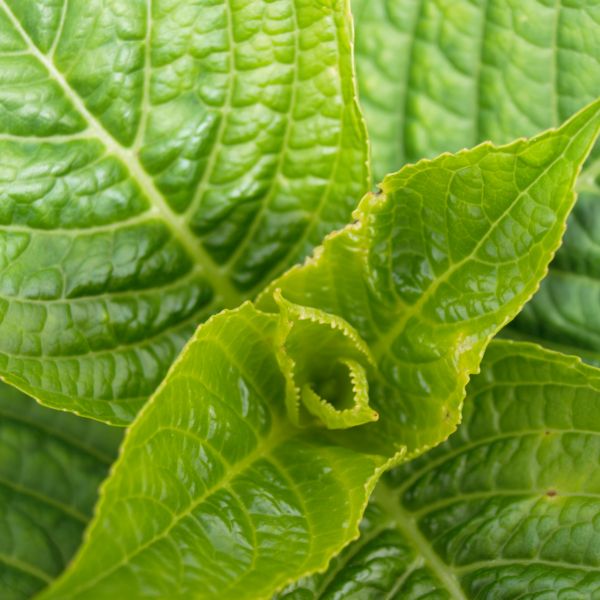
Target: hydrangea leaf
x=507 y=508
x=160 y=161
x=51 y=465
x=436 y=263
x=252 y=464
x=437 y=76
x=216 y=492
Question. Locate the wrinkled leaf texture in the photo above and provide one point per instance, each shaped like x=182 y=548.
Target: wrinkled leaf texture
x=160 y=161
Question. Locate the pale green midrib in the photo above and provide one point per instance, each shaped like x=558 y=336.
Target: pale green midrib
x=279 y=433
x=224 y=121
x=417 y=563
x=470 y=444
x=292 y=251
x=407 y=77
x=498 y=563
x=141 y=130
x=554 y=67
x=59 y=29
x=181 y=283
x=407 y=526
x=180 y=229
x=381 y=346
x=49 y=139
x=144 y=218
x=26 y=568
x=478 y=84
x=496 y=493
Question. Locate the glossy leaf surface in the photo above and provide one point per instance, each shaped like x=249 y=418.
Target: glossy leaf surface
x=253 y=463
x=507 y=508
x=216 y=492
x=160 y=161
x=51 y=465
x=437 y=76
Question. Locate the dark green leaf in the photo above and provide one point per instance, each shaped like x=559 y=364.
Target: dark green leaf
x=51 y=465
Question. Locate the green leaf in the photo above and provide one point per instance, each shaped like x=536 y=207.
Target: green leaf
x=160 y=161
x=439 y=76
x=436 y=263
x=216 y=493
x=252 y=464
x=565 y=313
x=507 y=508
x=51 y=465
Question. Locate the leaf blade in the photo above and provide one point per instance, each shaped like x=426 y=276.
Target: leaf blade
x=432 y=270
x=140 y=176
x=51 y=465
x=228 y=485
x=257 y=478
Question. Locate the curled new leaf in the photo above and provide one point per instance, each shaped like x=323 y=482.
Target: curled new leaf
x=436 y=77
x=217 y=494
x=325 y=363
x=436 y=263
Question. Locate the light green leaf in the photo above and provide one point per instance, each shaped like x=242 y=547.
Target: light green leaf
x=436 y=263
x=51 y=465
x=216 y=493
x=439 y=75
x=507 y=508
x=160 y=161
x=252 y=464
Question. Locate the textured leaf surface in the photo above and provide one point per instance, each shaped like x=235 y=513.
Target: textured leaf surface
x=51 y=465
x=252 y=464
x=160 y=161
x=436 y=263
x=437 y=76
x=507 y=508
x=216 y=493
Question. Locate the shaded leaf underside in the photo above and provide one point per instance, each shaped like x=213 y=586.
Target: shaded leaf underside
x=51 y=465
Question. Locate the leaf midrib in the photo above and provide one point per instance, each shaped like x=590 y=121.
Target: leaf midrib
x=406 y=524
x=181 y=231
x=279 y=433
